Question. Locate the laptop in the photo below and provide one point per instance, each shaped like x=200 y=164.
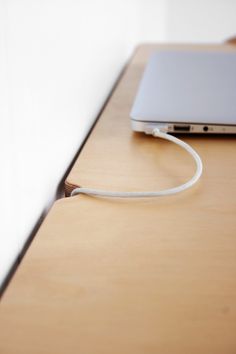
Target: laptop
x=187 y=92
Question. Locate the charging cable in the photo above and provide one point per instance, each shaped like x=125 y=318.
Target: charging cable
x=158 y=134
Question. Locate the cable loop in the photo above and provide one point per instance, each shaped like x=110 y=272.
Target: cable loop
x=156 y=133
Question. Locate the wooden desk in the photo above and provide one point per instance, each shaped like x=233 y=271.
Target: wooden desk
x=134 y=277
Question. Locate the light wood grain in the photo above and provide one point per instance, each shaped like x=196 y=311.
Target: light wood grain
x=133 y=277
x=128 y=277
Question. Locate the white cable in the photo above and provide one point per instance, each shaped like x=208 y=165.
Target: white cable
x=156 y=133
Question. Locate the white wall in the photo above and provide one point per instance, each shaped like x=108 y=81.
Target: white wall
x=60 y=59
x=187 y=20
x=151 y=21
x=200 y=20
x=58 y=62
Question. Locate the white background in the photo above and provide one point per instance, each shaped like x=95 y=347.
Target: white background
x=58 y=62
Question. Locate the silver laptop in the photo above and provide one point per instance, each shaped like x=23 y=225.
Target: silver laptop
x=187 y=92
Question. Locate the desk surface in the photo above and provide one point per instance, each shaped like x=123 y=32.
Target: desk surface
x=146 y=276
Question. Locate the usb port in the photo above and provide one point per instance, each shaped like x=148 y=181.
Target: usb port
x=181 y=128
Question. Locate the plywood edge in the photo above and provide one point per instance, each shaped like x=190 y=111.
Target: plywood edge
x=69 y=187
